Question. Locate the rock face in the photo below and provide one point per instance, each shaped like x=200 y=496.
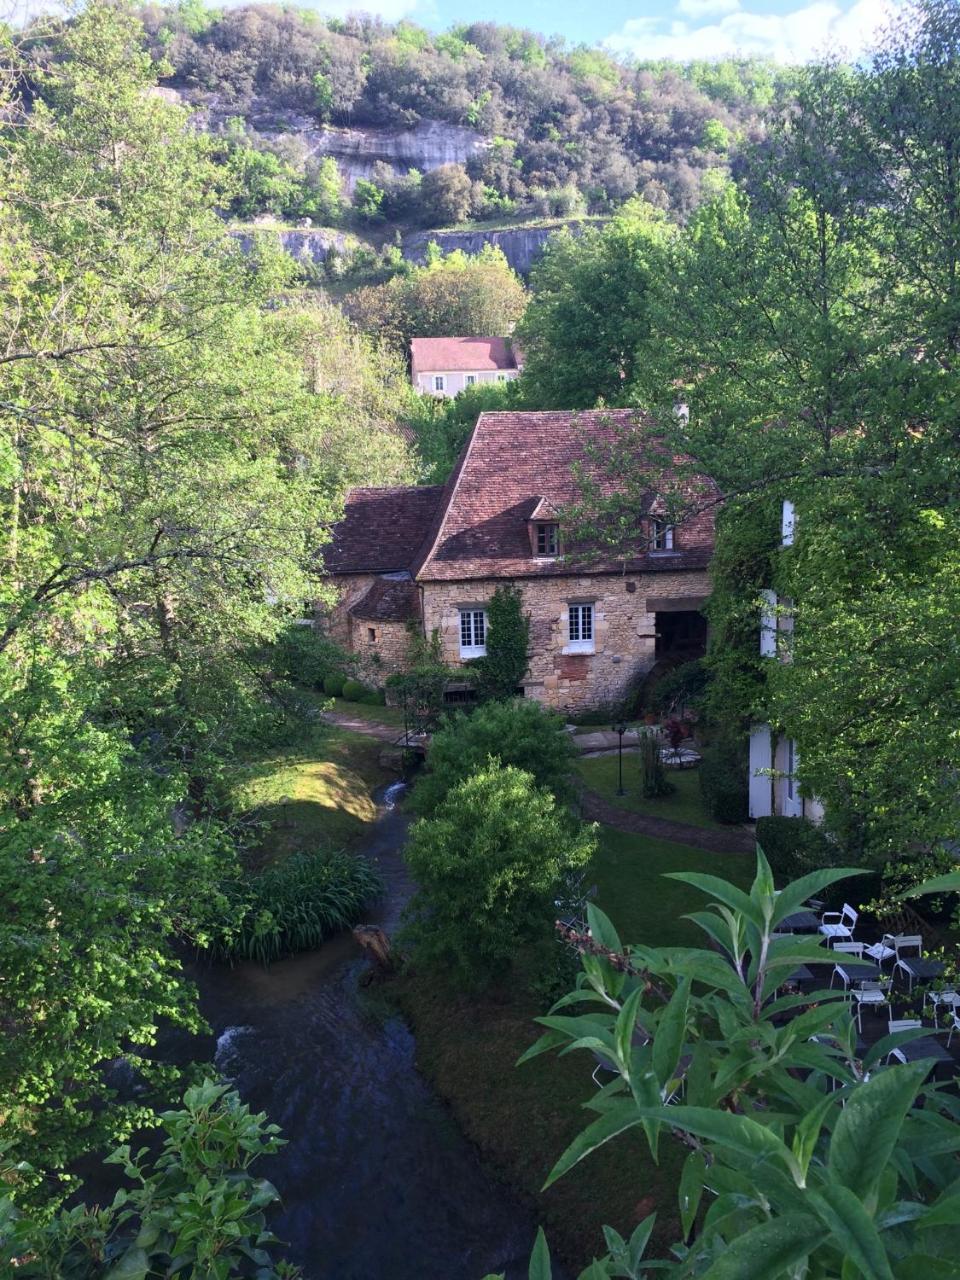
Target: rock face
x=427 y=146
x=305 y=246
x=521 y=245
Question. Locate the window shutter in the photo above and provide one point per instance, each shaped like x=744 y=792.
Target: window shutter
x=768 y=624
x=787 y=522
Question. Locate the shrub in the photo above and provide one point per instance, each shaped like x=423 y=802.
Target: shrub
x=519 y=733
x=420 y=688
x=723 y=785
x=487 y=863
x=353 y=690
x=373 y=697
x=333 y=686
x=304 y=656
x=296 y=904
x=504 y=665
x=655 y=784
x=682 y=687
x=794 y=847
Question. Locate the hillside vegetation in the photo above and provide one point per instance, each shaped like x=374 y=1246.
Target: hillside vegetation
x=558 y=130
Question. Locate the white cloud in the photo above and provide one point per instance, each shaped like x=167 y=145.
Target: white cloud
x=706 y=8
x=800 y=36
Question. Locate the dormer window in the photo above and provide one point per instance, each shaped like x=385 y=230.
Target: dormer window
x=548 y=539
x=661 y=535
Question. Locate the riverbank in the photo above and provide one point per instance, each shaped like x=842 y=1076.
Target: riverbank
x=522 y=1118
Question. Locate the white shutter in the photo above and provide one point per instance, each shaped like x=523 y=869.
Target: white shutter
x=760 y=786
x=792 y=800
x=786 y=524
x=768 y=624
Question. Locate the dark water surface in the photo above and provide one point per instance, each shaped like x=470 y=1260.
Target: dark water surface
x=377 y=1181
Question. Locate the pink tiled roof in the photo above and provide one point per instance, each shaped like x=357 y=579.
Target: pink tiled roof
x=518 y=463
x=460 y=355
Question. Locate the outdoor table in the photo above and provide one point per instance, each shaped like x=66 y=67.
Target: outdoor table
x=929 y=1047
x=801 y=974
x=918 y=967
x=860 y=973
x=801 y=922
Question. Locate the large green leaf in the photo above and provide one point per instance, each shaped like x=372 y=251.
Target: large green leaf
x=540 y=1268
x=867 y=1130
x=949 y=883
x=945 y=1213
x=134 y=1265
x=623 y=1114
x=769 y=1250
x=738 y=1133
x=854 y=1231
x=692 y=1180
x=722 y=891
x=793 y=897
x=671 y=1029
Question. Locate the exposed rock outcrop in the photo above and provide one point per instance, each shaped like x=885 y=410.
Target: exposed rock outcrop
x=305 y=245
x=521 y=245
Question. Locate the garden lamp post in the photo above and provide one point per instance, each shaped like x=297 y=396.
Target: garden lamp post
x=620 y=729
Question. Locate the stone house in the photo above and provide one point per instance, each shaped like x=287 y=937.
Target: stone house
x=774 y=787
x=431 y=557
x=446 y=366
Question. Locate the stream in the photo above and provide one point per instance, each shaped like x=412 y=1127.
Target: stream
x=378 y=1182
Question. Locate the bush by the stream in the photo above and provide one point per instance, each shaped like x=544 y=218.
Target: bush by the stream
x=487 y=863
x=295 y=904
x=307 y=658
x=723 y=785
x=518 y=733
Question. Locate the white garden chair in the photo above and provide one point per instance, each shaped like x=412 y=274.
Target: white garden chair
x=873 y=993
x=955 y=1027
x=850 y=949
x=948 y=997
x=884 y=950
x=838 y=926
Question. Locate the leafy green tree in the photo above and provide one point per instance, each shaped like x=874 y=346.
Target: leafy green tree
x=519 y=733
x=442 y=425
x=445 y=194
x=455 y=295
x=806 y=1154
x=195 y=1209
x=367 y=199
x=589 y=315
x=487 y=862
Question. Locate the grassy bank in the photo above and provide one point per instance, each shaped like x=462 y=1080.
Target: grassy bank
x=522 y=1118
x=599 y=773
x=317 y=795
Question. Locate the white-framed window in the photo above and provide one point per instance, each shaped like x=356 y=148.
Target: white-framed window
x=470 y=379
x=439 y=382
x=661 y=535
x=501 y=377
x=793 y=801
x=788 y=520
x=473 y=633
x=580 y=628
x=548 y=539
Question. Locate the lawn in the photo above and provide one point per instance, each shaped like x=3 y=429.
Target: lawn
x=522 y=1118
x=318 y=795
x=364 y=711
x=599 y=773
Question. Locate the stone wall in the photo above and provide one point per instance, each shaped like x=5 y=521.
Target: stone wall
x=381 y=655
x=624 y=629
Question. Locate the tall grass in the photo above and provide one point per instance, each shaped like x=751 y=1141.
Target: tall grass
x=295 y=904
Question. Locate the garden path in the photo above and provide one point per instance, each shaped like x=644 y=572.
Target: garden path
x=596 y=809
x=371 y=728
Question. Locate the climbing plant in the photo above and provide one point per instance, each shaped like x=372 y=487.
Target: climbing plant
x=504 y=665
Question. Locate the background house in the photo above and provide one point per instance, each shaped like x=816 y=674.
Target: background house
x=445 y=366
x=434 y=556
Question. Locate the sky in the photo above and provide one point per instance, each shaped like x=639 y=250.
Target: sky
x=787 y=30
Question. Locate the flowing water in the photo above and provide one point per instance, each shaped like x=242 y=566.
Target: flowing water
x=378 y=1183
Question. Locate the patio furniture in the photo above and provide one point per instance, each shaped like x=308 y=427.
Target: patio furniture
x=800 y=922
x=948 y=997
x=884 y=950
x=845 y=948
x=955 y=1027
x=924 y=1047
x=872 y=993
x=839 y=925
x=919 y=968
x=857 y=975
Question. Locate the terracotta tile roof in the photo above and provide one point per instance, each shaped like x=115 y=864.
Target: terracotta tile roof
x=519 y=463
x=460 y=355
x=382 y=530
x=389 y=600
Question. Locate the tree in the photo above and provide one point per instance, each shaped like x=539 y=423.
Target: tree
x=442 y=424
x=487 y=863
x=445 y=194
x=453 y=295
x=519 y=733
x=804 y=1152
x=588 y=316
